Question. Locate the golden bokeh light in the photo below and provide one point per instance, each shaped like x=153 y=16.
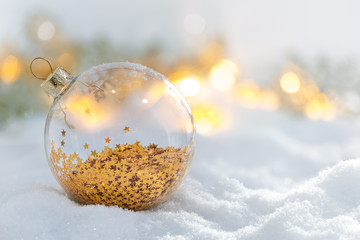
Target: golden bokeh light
x=207 y=118
x=10 y=69
x=290 y=82
x=309 y=91
x=210 y=54
x=270 y=101
x=188 y=86
x=320 y=108
x=67 y=61
x=87 y=111
x=155 y=93
x=222 y=76
x=251 y=96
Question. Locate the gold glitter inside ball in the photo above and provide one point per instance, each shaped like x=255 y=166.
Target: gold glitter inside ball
x=130 y=176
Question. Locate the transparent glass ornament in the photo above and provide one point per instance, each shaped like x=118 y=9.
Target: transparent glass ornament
x=119 y=134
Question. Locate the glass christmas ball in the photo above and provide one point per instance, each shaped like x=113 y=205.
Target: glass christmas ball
x=118 y=134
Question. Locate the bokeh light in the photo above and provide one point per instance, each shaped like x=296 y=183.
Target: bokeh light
x=208 y=118
x=248 y=94
x=87 y=111
x=252 y=96
x=188 y=86
x=10 y=69
x=67 y=61
x=290 y=82
x=270 y=101
x=198 y=75
x=222 y=76
x=46 y=31
x=320 y=108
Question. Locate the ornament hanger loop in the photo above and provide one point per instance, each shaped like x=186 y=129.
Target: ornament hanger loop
x=41 y=58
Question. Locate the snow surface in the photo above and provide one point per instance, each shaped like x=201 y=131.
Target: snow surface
x=271 y=176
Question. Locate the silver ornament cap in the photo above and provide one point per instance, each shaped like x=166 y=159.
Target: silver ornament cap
x=56 y=82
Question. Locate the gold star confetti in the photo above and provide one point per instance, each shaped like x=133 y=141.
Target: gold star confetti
x=62 y=143
x=107 y=140
x=126 y=129
x=63 y=133
x=71 y=157
x=131 y=176
x=93 y=153
x=152 y=146
x=86 y=146
x=133 y=180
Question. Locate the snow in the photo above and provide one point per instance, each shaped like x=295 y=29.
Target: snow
x=270 y=176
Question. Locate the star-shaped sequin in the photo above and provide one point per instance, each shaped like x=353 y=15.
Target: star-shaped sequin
x=62 y=143
x=86 y=146
x=63 y=133
x=126 y=129
x=152 y=146
x=107 y=140
x=133 y=180
x=93 y=153
x=71 y=157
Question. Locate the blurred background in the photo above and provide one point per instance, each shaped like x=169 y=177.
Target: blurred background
x=288 y=68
